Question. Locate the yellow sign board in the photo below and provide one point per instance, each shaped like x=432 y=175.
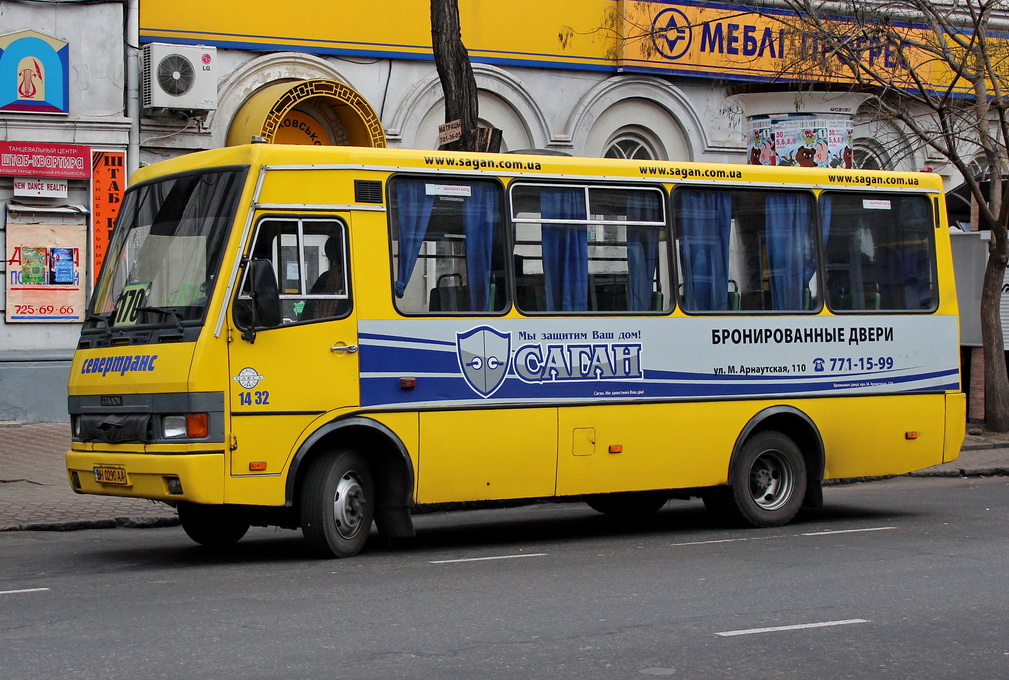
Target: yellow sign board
x=774 y=45
x=722 y=41
x=669 y=37
x=505 y=32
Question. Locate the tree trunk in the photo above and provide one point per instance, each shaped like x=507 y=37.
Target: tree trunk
x=455 y=72
x=995 y=376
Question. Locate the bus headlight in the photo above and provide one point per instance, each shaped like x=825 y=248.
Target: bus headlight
x=189 y=425
x=173 y=427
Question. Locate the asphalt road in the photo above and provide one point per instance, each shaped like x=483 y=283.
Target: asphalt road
x=905 y=578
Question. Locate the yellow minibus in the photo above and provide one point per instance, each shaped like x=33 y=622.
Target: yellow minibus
x=327 y=338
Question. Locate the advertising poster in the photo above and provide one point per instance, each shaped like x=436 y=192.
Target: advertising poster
x=813 y=143
x=760 y=142
x=795 y=141
x=108 y=181
x=45 y=273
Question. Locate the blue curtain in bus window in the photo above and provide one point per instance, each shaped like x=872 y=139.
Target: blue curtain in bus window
x=642 y=249
x=480 y=214
x=705 y=219
x=413 y=211
x=565 y=250
x=789 y=251
x=832 y=292
x=908 y=261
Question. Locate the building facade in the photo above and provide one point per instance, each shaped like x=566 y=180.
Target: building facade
x=61 y=116
x=610 y=78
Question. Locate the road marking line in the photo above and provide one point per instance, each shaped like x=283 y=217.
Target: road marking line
x=800 y=626
x=485 y=559
x=828 y=532
x=729 y=540
x=23 y=590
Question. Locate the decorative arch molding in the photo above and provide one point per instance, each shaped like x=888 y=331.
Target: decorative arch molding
x=889 y=142
x=404 y=123
x=617 y=89
x=240 y=84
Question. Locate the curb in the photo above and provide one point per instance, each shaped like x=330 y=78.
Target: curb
x=81 y=524
x=996 y=471
x=983 y=446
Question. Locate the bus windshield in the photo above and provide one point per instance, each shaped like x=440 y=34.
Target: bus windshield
x=164 y=257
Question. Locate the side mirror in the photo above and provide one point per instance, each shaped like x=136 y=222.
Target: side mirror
x=264 y=310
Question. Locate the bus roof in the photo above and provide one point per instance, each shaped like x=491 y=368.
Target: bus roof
x=529 y=165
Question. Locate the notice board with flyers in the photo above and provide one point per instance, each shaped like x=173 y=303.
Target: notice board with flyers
x=46 y=265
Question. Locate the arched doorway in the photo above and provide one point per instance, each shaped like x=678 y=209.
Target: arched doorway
x=316 y=112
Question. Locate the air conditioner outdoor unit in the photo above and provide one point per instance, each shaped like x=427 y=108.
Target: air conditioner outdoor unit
x=179 y=77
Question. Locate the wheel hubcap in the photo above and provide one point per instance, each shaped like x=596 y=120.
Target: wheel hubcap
x=349 y=504
x=771 y=480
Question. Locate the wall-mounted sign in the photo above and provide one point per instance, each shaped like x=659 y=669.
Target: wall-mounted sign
x=45 y=272
x=108 y=180
x=449 y=132
x=757 y=42
x=804 y=141
x=41 y=187
x=298 y=127
x=34 y=73
x=31 y=159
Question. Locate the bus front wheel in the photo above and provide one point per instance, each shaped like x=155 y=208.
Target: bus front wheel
x=337 y=504
x=767 y=483
x=214 y=526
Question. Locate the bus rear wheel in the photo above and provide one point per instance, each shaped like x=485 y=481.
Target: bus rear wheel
x=337 y=504
x=214 y=526
x=767 y=484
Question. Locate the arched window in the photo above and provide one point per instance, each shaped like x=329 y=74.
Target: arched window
x=630 y=146
x=866 y=157
x=980 y=167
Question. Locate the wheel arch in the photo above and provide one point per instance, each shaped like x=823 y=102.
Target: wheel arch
x=392 y=467
x=797 y=425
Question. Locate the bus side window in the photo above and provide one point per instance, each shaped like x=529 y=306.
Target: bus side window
x=589 y=249
x=448 y=245
x=746 y=250
x=879 y=251
x=310 y=259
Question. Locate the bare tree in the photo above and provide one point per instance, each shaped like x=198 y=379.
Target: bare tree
x=940 y=71
x=456 y=74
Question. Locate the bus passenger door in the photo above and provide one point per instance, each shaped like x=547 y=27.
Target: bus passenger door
x=284 y=377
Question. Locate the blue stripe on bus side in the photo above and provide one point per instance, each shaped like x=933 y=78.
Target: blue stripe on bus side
x=385 y=390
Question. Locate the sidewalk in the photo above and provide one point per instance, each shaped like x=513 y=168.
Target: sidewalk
x=35 y=494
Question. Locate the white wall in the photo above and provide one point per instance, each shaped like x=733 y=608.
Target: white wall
x=34 y=357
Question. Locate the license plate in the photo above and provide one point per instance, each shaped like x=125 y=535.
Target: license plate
x=111 y=475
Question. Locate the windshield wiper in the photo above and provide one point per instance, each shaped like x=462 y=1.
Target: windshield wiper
x=167 y=311
x=103 y=319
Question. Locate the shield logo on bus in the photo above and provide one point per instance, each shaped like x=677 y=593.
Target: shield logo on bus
x=483 y=357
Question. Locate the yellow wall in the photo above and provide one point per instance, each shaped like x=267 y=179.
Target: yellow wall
x=568 y=34
x=494 y=31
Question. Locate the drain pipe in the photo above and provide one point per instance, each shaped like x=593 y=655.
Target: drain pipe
x=133 y=84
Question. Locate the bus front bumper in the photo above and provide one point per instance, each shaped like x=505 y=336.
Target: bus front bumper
x=198 y=478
